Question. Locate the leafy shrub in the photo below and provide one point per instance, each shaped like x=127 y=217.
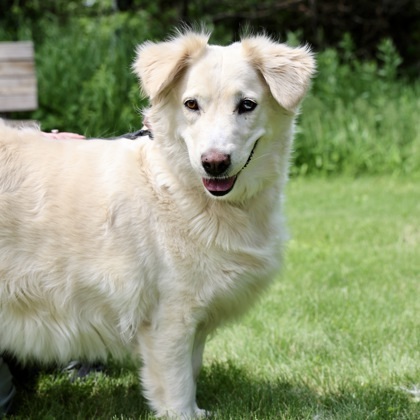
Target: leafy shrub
x=85 y=78
x=360 y=117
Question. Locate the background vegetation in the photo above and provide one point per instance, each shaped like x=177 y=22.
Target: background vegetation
x=361 y=115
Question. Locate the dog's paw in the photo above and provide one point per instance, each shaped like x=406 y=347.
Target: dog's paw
x=202 y=414
x=196 y=414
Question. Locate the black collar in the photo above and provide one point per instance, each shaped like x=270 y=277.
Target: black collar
x=131 y=136
x=136 y=135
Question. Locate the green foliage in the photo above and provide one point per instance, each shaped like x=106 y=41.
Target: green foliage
x=85 y=78
x=360 y=117
x=322 y=23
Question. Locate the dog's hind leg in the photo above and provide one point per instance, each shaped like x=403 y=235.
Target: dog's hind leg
x=171 y=362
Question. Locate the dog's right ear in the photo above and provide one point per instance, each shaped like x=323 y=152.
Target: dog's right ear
x=286 y=70
x=158 y=64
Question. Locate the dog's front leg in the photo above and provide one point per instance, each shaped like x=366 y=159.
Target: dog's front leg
x=172 y=353
x=198 y=350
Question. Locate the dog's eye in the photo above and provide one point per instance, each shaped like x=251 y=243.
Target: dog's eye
x=191 y=104
x=246 y=105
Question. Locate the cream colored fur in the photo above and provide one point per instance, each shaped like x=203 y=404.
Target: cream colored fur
x=116 y=247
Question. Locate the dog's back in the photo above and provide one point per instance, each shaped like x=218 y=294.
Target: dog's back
x=66 y=252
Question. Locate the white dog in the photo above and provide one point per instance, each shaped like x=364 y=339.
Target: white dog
x=109 y=247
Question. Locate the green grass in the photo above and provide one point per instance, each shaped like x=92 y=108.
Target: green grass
x=336 y=337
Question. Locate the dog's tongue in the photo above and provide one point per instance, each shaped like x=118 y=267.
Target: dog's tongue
x=219 y=185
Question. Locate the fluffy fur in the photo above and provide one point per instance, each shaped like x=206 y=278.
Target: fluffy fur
x=109 y=247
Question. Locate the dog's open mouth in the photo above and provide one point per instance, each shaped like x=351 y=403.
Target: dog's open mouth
x=219 y=186
x=224 y=185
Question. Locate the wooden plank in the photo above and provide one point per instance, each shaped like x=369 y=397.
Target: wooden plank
x=16 y=50
x=18 y=103
x=18 y=86
x=16 y=68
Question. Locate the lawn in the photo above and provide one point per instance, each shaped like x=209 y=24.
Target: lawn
x=336 y=337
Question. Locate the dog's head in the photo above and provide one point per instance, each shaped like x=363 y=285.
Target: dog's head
x=231 y=107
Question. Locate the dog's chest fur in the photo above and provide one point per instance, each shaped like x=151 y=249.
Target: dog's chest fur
x=218 y=254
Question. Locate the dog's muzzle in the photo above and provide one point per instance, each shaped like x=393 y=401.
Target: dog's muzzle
x=216 y=164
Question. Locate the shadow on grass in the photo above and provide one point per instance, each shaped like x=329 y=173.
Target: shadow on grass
x=52 y=394
x=225 y=389
x=233 y=393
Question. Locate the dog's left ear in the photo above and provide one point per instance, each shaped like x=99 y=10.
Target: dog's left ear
x=158 y=64
x=286 y=70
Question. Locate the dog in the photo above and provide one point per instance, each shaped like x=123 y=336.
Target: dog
x=145 y=247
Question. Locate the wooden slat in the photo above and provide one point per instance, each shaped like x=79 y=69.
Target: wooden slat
x=16 y=68
x=16 y=50
x=18 y=103
x=17 y=86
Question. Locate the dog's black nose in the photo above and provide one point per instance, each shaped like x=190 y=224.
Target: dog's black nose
x=215 y=163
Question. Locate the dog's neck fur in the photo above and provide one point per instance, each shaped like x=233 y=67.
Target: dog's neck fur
x=230 y=225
